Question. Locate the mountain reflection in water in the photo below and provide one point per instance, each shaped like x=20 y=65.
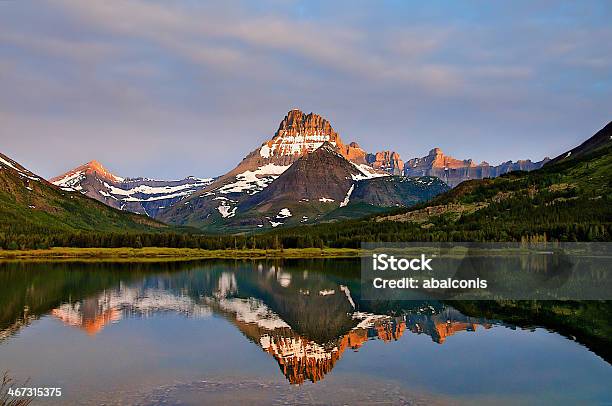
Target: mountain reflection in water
x=305 y=314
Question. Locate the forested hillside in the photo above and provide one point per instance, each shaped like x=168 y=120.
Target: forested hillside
x=31 y=209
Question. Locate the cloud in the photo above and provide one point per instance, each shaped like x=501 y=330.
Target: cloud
x=197 y=85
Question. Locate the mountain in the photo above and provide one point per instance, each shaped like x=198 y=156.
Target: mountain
x=454 y=171
x=315 y=183
x=138 y=195
x=323 y=174
x=388 y=161
x=400 y=191
x=29 y=204
x=304 y=171
x=297 y=135
x=568 y=199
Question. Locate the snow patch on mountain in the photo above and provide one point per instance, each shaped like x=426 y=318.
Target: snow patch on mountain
x=253 y=311
x=226 y=211
x=264 y=151
x=284 y=213
x=295 y=144
x=367 y=172
x=348 y=196
x=21 y=173
x=255 y=181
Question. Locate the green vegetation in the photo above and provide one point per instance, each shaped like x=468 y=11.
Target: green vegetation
x=174 y=254
x=31 y=206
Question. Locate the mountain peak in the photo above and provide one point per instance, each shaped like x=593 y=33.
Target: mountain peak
x=96 y=166
x=298 y=134
x=388 y=161
x=91 y=167
x=305 y=127
x=454 y=171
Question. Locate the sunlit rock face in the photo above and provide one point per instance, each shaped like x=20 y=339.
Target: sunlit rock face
x=388 y=161
x=454 y=171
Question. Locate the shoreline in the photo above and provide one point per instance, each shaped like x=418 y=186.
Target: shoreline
x=178 y=254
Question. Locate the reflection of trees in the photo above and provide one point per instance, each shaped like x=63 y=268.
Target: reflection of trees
x=588 y=322
x=29 y=289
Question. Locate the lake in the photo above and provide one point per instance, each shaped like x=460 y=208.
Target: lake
x=286 y=332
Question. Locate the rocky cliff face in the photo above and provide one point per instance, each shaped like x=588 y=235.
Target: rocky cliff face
x=454 y=171
x=139 y=195
x=388 y=161
x=297 y=135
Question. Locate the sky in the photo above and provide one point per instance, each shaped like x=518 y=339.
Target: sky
x=171 y=89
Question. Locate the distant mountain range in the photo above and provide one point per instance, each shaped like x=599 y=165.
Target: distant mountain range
x=305 y=173
x=138 y=195
x=450 y=170
x=454 y=171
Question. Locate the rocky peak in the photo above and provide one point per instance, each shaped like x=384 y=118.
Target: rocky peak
x=437 y=159
x=297 y=123
x=299 y=133
x=90 y=168
x=97 y=167
x=388 y=161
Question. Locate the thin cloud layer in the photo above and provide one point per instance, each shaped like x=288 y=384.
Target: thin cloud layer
x=170 y=89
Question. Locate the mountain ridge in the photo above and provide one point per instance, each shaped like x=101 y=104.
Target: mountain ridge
x=30 y=204
x=454 y=171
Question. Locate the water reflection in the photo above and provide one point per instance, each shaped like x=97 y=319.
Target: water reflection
x=304 y=314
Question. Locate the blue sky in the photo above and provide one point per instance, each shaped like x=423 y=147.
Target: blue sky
x=170 y=89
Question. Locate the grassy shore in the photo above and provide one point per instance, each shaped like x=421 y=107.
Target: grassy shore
x=151 y=253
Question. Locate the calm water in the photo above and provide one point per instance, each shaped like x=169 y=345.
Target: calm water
x=286 y=332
